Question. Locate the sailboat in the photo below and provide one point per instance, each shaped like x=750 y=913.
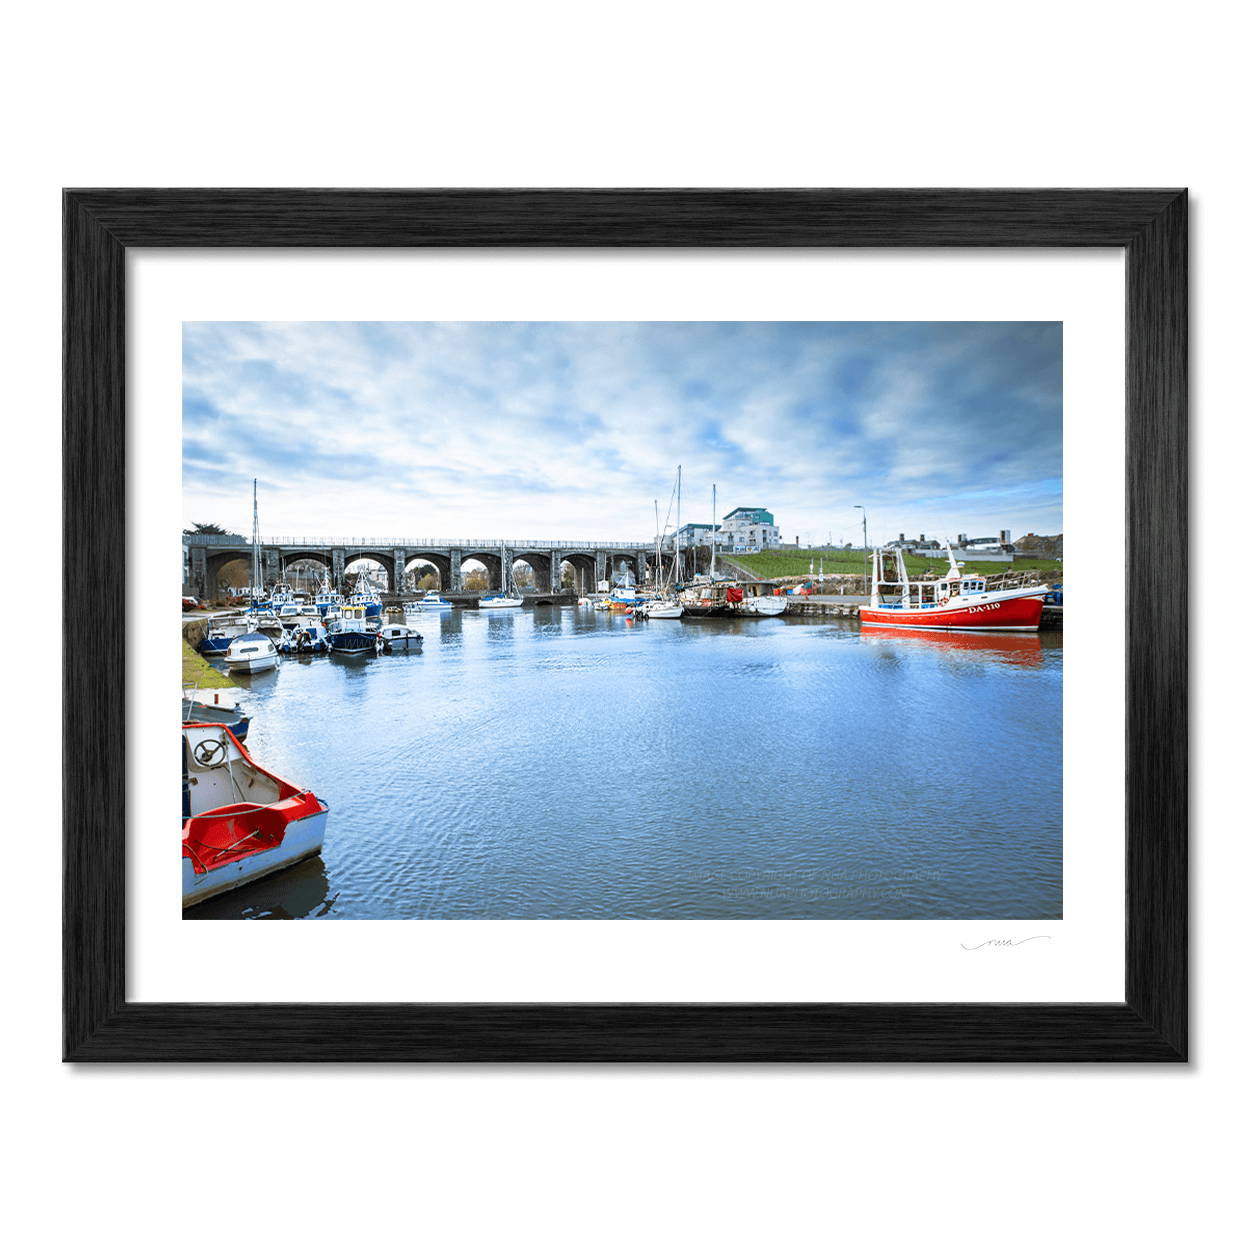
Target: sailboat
x=666 y=607
x=503 y=599
x=661 y=610
x=253 y=651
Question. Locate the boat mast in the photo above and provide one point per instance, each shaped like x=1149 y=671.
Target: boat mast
x=865 y=512
x=713 y=531
x=658 y=566
x=255 y=544
x=677 y=544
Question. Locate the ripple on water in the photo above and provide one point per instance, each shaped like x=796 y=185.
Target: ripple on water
x=560 y=763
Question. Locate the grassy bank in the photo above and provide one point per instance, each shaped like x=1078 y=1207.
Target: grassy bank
x=198 y=672
x=842 y=563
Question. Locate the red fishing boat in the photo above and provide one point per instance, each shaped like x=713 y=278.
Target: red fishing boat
x=955 y=600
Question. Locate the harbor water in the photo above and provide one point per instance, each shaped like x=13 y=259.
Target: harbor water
x=558 y=762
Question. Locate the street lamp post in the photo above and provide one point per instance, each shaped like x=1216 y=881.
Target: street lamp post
x=864 y=510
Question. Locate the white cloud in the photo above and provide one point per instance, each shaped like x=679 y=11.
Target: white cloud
x=430 y=430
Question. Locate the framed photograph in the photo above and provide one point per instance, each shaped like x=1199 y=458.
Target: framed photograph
x=774 y=1014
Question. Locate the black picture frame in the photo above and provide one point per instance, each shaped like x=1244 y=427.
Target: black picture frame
x=1150 y=1025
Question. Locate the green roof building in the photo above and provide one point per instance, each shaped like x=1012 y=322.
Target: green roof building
x=751 y=529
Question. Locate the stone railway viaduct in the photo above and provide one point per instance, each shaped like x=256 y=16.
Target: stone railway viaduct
x=208 y=554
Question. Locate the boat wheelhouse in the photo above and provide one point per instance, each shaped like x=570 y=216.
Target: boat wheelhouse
x=282 y=600
x=327 y=600
x=366 y=596
x=222 y=631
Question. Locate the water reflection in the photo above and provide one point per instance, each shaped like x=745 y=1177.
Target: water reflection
x=297 y=893
x=501 y=625
x=1007 y=647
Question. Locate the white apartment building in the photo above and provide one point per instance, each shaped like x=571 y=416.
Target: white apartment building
x=695 y=534
x=750 y=529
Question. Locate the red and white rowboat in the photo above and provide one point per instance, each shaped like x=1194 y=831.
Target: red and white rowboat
x=955 y=600
x=240 y=822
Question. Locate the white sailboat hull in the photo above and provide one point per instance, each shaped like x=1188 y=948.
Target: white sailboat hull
x=663 y=611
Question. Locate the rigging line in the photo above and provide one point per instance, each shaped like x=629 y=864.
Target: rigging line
x=671 y=499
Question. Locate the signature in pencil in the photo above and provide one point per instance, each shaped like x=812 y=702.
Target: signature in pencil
x=1006 y=941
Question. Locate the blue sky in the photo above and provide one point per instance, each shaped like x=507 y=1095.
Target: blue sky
x=571 y=430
